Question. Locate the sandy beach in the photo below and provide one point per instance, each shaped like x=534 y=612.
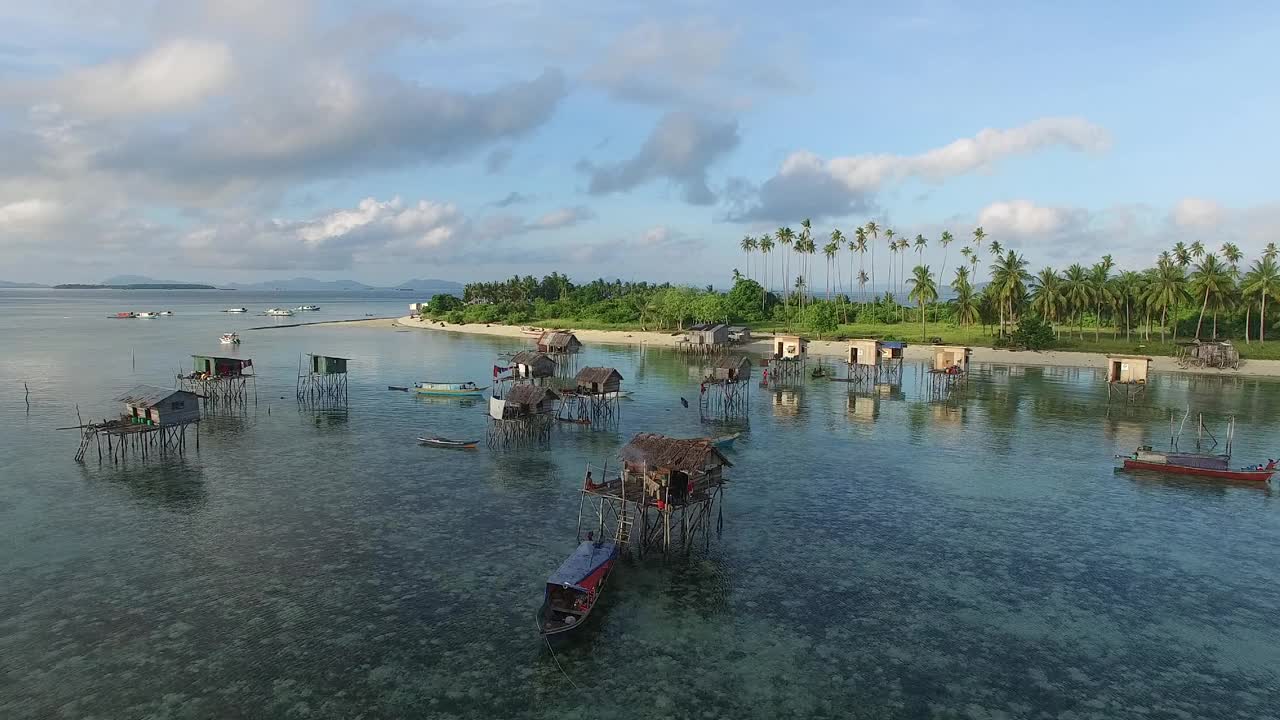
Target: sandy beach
x=835 y=348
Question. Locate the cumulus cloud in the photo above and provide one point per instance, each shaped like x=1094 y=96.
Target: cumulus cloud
x=680 y=149
x=1194 y=212
x=1023 y=218
x=807 y=185
x=25 y=215
x=696 y=62
x=427 y=231
x=562 y=218
x=174 y=75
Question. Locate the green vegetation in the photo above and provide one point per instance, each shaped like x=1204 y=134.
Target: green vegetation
x=1190 y=292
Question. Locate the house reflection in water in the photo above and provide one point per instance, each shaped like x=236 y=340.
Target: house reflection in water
x=786 y=402
x=863 y=408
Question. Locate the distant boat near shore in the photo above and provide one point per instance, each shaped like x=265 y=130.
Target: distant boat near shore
x=279 y=312
x=236 y=310
x=308 y=308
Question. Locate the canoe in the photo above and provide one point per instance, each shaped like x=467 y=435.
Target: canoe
x=1254 y=474
x=725 y=441
x=467 y=389
x=450 y=444
x=573 y=589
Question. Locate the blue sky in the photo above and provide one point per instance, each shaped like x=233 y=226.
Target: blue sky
x=233 y=141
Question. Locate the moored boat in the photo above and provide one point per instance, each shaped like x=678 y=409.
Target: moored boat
x=573 y=590
x=236 y=310
x=229 y=339
x=464 y=389
x=447 y=443
x=124 y=315
x=725 y=441
x=147 y=315
x=308 y=308
x=1197 y=464
x=279 y=312
x=166 y=312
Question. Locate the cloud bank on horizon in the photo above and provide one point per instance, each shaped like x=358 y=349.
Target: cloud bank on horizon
x=223 y=139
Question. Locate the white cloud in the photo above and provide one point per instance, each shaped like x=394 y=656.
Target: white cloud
x=172 y=76
x=1195 y=212
x=24 y=215
x=1022 y=218
x=680 y=148
x=562 y=218
x=808 y=185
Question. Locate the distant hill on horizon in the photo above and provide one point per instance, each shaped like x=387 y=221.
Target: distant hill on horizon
x=7 y=284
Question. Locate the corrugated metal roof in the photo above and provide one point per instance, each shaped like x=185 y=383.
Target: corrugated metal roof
x=146 y=396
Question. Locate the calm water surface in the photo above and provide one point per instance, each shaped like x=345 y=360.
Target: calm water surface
x=882 y=556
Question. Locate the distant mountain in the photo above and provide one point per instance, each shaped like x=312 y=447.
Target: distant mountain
x=7 y=284
x=433 y=283
x=141 y=280
x=312 y=284
x=136 y=286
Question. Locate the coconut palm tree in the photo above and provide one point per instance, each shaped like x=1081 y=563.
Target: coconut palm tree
x=829 y=251
x=862 y=285
x=748 y=244
x=978 y=236
x=1181 y=254
x=874 y=231
x=924 y=292
x=903 y=246
x=966 y=305
x=1077 y=291
x=1210 y=279
x=893 y=251
x=1008 y=281
x=1262 y=280
x=785 y=237
x=1270 y=251
x=921 y=243
x=944 y=240
x=1166 y=288
x=766 y=249
x=1231 y=253
x=806 y=238
x=859 y=246
x=1046 y=295
x=1197 y=249
x=1102 y=291
x=996 y=248
x=970 y=256
x=1128 y=285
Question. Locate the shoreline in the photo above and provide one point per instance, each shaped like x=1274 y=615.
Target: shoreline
x=836 y=348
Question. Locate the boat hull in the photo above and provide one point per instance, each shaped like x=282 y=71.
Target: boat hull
x=1244 y=475
x=450 y=393
x=450 y=444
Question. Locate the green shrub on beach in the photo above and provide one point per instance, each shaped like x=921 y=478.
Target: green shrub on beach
x=1033 y=333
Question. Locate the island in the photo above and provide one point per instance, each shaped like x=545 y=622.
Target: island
x=136 y=286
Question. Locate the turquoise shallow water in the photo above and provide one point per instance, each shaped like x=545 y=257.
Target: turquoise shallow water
x=882 y=556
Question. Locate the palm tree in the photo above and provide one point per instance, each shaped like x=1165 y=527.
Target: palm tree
x=971 y=256
x=766 y=249
x=903 y=246
x=874 y=231
x=1231 y=253
x=1008 y=282
x=1128 y=287
x=1211 y=279
x=1197 y=249
x=830 y=250
x=996 y=248
x=1077 y=291
x=944 y=240
x=748 y=244
x=1181 y=254
x=862 y=285
x=924 y=292
x=1270 y=251
x=859 y=246
x=978 y=236
x=804 y=247
x=1166 y=288
x=785 y=237
x=1100 y=279
x=966 y=306
x=921 y=244
x=1263 y=280
x=1046 y=295
x=893 y=250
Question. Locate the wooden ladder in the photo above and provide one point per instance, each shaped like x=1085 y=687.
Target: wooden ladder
x=623 y=534
x=85 y=439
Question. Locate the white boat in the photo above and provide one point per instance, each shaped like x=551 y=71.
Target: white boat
x=280 y=312
x=166 y=312
x=308 y=308
x=236 y=310
x=229 y=339
x=148 y=315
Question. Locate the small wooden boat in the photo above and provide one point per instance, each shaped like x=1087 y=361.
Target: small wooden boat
x=1199 y=464
x=279 y=312
x=148 y=315
x=229 y=339
x=447 y=443
x=166 y=312
x=236 y=310
x=618 y=394
x=465 y=389
x=308 y=308
x=573 y=589
x=531 y=331
x=725 y=441
x=124 y=315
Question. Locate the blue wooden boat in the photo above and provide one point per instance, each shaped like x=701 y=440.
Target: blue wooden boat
x=573 y=589
x=724 y=442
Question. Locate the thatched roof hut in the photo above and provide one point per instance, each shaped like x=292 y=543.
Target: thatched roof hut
x=674 y=469
x=732 y=368
x=526 y=399
x=595 y=380
x=558 y=341
x=530 y=365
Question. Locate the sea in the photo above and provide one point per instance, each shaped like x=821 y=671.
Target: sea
x=884 y=552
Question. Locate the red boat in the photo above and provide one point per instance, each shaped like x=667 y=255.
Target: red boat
x=1213 y=466
x=572 y=591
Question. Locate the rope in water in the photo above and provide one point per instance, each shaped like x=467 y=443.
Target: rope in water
x=556 y=659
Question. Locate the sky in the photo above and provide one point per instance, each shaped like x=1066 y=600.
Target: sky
x=237 y=140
